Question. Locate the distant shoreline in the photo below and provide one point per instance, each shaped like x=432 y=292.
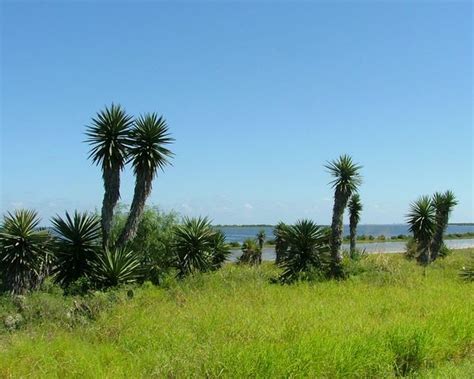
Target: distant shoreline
x=272 y=226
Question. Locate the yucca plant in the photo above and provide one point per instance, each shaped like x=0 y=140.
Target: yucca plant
x=251 y=253
x=443 y=204
x=347 y=180
x=261 y=238
x=193 y=246
x=108 y=136
x=421 y=223
x=147 y=154
x=355 y=208
x=308 y=250
x=77 y=242
x=220 y=249
x=281 y=246
x=24 y=251
x=112 y=267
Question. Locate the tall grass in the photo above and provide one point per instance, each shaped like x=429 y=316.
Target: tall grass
x=393 y=318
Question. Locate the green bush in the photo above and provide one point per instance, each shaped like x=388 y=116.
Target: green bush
x=308 y=252
x=154 y=240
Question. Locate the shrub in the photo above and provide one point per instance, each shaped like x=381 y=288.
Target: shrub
x=25 y=251
x=77 y=242
x=154 y=239
x=251 y=254
x=308 y=251
x=220 y=250
x=194 y=243
x=112 y=267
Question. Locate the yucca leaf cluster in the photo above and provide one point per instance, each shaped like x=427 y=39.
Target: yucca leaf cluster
x=428 y=219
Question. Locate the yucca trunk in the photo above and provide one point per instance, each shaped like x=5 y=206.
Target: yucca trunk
x=440 y=228
x=353 y=234
x=340 y=203
x=111 y=178
x=143 y=186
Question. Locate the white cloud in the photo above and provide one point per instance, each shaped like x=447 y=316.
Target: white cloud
x=248 y=206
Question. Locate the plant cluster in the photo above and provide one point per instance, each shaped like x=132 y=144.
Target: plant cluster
x=428 y=219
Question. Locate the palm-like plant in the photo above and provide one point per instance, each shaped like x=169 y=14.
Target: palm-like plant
x=443 y=204
x=347 y=180
x=24 y=251
x=355 y=208
x=308 y=250
x=261 y=238
x=421 y=223
x=112 y=267
x=220 y=250
x=108 y=136
x=148 y=154
x=281 y=246
x=251 y=254
x=77 y=243
x=194 y=246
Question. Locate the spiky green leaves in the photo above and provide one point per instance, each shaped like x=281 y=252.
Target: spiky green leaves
x=346 y=174
x=220 y=249
x=112 y=267
x=308 y=250
x=421 y=218
x=355 y=208
x=24 y=251
x=195 y=246
x=77 y=243
x=108 y=136
x=427 y=220
x=149 y=138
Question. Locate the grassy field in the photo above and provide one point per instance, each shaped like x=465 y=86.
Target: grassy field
x=391 y=318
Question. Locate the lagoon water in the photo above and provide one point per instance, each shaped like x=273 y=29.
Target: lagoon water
x=240 y=233
x=268 y=253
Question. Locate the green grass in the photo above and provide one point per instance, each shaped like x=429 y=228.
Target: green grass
x=393 y=318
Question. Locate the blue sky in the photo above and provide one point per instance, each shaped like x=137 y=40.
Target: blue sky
x=259 y=95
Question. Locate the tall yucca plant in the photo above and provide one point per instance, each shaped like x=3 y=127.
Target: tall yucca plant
x=261 y=238
x=347 y=180
x=308 y=250
x=108 y=136
x=443 y=204
x=355 y=209
x=24 y=251
x=147 y=153
x=77 y=242
x=421 y=223
x=281 y=245
x=194 y=246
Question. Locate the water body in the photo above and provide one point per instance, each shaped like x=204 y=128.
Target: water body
x=240 y=233
x=268 y=253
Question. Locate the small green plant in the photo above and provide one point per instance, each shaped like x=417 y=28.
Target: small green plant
x=467 y=272
x=251 y=253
